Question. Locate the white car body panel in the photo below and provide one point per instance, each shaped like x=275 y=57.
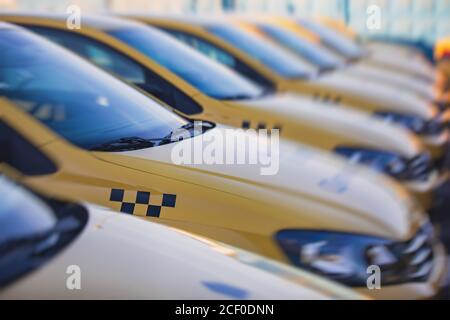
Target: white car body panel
x=122 y=257
x=368 y=72
x=304 y=173
x=389 y=98
x=341 y=120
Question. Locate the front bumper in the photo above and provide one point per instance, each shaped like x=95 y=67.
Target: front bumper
x=415 y=290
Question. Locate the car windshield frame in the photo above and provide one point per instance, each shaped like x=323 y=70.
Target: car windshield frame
x=208 y=76
x=77 y=100
x=277 y=59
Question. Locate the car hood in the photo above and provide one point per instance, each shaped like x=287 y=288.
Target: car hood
x=388 y=98
x=400 y=62
x=379 y=75
x=357 y=126
x=122 y=257
x=305 y=175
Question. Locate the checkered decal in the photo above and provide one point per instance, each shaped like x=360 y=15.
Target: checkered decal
x=142 y=199
x=327 y=98
x=260 y=125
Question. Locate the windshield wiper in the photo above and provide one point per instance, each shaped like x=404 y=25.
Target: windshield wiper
x=239 y=96
x=191 y=125
x=125 y=144
x=326 y=68
x=136 y=143
x=205 y=125
x=267 y=91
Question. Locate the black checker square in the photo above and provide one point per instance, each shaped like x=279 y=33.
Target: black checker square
x=117 y=195
x=169 y=200
x=153 y=211
x=127 y=208
x=277 y=127
x=262 y=126
x=143 y=197
x=246 y=124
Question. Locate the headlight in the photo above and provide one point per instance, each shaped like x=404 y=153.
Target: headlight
x=414 y=123
x=338 y=256
x=417 y=168
x=345 y=257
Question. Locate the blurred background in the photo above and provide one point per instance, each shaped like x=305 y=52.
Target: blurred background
x=424 y=20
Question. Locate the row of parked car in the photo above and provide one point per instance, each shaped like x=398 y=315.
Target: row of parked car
x=86 y=120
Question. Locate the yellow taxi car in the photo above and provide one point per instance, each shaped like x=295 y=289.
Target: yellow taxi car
x=375 y=46
x=201 y=89
x=337 y=25
x=75 y=131
x=269 y=65
x=44 y=238
x=287 y=33
x=387 y=56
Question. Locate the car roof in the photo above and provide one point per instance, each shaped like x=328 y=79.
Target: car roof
x=202 y=20
x=109 y=23
x=199 y=20
x=101 y=22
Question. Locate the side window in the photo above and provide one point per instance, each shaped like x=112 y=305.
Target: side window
x=115 y=62
x=221 y=56
x=22 y=155
x=207 y=49
x=96 y=52
x=165 y=91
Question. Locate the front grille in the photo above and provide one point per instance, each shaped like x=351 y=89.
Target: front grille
x=410 y=261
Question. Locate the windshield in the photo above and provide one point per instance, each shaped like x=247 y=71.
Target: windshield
x=312 y=52
x=30 y=230
x=208 y=76
x=349 y=49
x=77 y=100
x=277 y=59
x=21 y=214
